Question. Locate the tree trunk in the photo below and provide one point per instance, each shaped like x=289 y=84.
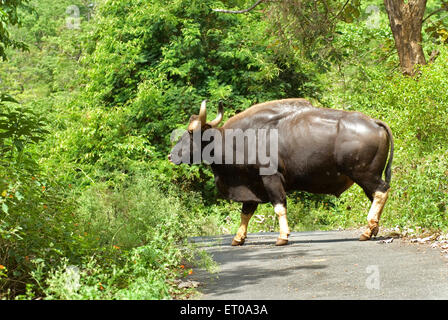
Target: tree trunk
x=406 y=24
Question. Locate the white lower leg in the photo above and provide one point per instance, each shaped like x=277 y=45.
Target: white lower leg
x=280 y=211
x=373 y=218
x=242 y=230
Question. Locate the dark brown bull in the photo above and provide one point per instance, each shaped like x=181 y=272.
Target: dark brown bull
x=319 y=151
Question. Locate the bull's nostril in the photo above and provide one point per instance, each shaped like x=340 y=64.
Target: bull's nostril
x=169 y=157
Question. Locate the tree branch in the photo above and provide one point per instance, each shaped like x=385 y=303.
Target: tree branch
x=239 y=11
x=433 y=13
x=343 y=7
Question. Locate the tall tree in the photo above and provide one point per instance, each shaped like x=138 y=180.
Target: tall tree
x=406 y=20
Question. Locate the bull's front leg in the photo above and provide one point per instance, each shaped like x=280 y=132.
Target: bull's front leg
x=246 y=213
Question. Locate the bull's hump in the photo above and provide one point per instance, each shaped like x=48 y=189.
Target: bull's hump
x=298 y=102
x=270 y=111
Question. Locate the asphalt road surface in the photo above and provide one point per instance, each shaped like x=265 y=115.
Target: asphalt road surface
x=322 y=265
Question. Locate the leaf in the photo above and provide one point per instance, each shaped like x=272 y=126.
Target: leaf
x=5 y=207
x=18 y=195
x=7 y=98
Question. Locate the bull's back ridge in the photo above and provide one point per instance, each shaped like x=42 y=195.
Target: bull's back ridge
x=270 y=106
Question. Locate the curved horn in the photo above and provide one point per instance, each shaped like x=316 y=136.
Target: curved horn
x=203 y=113
x=219 y=117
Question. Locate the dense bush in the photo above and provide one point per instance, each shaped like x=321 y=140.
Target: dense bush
x=32 y=225
x=135 y=242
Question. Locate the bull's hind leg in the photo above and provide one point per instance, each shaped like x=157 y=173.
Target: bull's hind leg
x=276 y=193
x=366 y=169
x=246 y=213
x=377 y=190
x=280 y=211
x=373 y=218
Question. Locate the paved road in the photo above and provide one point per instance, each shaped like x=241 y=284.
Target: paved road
x=322 y=265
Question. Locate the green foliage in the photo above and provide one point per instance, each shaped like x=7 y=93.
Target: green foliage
x=32 y=224
x=19 y=127
x=42 y=224
x=51 y=63
x=136 y=239
x=306 y=30
x=9 y=17
x=436 y=26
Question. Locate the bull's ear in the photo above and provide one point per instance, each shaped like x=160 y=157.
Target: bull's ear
x=195 y=123
x=206 y=127
x=219 y=117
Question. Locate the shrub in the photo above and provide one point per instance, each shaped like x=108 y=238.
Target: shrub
x=137 y=238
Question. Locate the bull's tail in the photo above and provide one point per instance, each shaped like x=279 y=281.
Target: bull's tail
x=388 y=173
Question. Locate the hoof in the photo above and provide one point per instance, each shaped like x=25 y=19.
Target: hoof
x=364 y=237
x=237 y=243
x=281 y=242
x=372 y=231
